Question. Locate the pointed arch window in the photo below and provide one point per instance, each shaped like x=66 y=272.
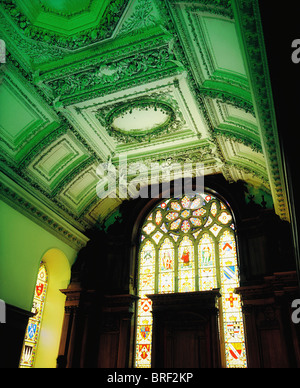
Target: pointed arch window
x=34 y=323
x=189 y=244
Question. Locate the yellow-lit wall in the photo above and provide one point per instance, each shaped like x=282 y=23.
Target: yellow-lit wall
x=58 y=270
x=23 y=245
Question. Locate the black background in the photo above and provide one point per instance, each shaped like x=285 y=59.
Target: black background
x=281 y=26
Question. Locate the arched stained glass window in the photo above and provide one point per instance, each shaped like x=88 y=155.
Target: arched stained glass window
x=34 y=324
x=189 y=244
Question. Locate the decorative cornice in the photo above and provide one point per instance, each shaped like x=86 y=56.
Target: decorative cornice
x=35 y=210
x=228 y=98
x=251 y=37
x=109 y=75
x=217 y=7
x=255 y=171
x=237 y=137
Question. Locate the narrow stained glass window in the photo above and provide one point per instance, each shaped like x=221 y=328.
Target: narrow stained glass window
x=34 y=323
x=190 y=245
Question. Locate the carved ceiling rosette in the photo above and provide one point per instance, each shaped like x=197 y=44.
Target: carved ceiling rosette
x=139 y=120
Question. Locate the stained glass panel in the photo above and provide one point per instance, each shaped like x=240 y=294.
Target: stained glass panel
x=158 y=217
x=224 y=218
x=185 y=227
x=185 y=202
x=144 y=333
x=187 y=282
x=197 y=233
x=235 y=355
x=196 y=203
x=163 y=205
x=185 y=214
x=171 y=216
x=186 y=266
x=206 y=252
x=208 y=222
x=196 y=221
x=214 y=209
x=235 y=352
x=147 y=279
x=208 y=198
x=157 y=236
x=215 y=229
x=34 y=323
x=147 y=256
x=165 y=283
x=175 y=225
x=164 y=228
x=227 y=249
x=174 y=236
x=206 y=263
x=175 y=206
x=199 y=212
x=166 y=267
x=149 y=228
x=144 y=310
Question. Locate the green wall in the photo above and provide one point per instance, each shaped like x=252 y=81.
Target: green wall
x=23 y=244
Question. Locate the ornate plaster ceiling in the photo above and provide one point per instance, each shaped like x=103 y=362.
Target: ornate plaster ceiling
x=87 y=82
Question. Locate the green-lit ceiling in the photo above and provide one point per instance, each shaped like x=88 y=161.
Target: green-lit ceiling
x=77 y=69
x=68 y=7
x=68 y=17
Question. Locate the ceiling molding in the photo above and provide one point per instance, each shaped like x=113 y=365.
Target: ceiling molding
x=34 y=209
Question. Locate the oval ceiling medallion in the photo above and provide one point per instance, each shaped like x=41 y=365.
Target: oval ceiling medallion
x=140 y=119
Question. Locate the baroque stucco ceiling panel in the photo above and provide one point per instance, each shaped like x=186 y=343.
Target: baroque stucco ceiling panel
x=171 y=98
x=221 y=39
x=210 y=41
x=234 y=122
x=81 y=191
x=102 y=210
x=250 y=164
x=140 y=14
x=25 y=117
x=58 y=162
